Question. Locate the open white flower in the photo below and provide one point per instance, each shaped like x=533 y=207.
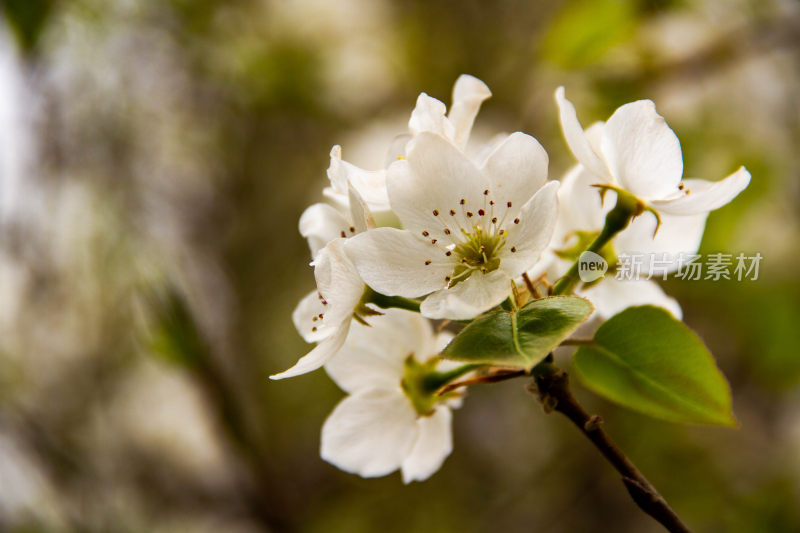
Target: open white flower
x=429 y=115
x=581 y=211
x=468 y=231
x=324 y=316
x=377 y=429
x=636 y=150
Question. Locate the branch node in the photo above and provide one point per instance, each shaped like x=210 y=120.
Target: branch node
x=593 y=424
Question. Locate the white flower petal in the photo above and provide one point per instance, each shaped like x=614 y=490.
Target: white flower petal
x=370 y=184
x=434 y=443
x=428 y=116
x=317 y=357
x=611 y=296
x=374 y=355
x=517 y=168
x=705 y=196
x=468 y=94
x=306 y=318
x=530 y=236
x=338 y=282
x=320 y=224
x=469 y=298
x=434 y=179
x=642 y=152
x=392 y=262
x=370 y=433
x=580 y=207
x=675 y=236
x=359 y=212
x=576 y=139
x=397 y=149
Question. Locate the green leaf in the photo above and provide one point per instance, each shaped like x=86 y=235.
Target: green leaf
x=519 y=339
x=646 y=360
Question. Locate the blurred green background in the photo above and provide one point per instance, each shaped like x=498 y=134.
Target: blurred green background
x=155 y=156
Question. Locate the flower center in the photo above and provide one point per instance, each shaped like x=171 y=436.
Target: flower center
x=478 y=253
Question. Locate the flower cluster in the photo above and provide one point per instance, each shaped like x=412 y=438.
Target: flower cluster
x=474 y=232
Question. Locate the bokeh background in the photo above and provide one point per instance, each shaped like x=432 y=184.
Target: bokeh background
x=155 y=156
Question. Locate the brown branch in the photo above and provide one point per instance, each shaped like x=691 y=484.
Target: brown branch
x=552 y=385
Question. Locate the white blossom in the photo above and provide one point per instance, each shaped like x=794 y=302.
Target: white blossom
x=430 y=115
x=324 y=315
x=636 y=150
x=376 y=429
x=468 y=231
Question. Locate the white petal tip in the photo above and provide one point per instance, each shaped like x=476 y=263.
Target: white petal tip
x=470 y=84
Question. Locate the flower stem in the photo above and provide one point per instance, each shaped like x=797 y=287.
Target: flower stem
x=438 y=380
x=617 y=219
x=385 y=302
x=552 y=385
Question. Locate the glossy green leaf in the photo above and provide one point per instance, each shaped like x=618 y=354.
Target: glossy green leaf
x=519 y=339
x=646 y=360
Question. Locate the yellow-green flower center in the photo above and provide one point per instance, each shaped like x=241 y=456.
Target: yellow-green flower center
x=480 y=252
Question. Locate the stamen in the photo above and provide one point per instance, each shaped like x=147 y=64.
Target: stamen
x=343 y=234
x=448 y=253
x=452 y=213
x=436 y=212
x=516 y=221
x=425 y=233
x=481 y=212
x=447 y=231
x=427 y=262
x=352 y=229
x=513 y=249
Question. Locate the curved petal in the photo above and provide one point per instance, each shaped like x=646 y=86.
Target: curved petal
x=320 y=224
x=360 y=213
x=580 y=206
x=370 y=184
x=428 y=116
x=374 y=355
x=642 y=152
x=517 y=168
x=478 y=293
x=434 y=180
x=526 y=240
x=576 y=139
x=317 y=357
x=468 y=94
x=370 y=433
x=397 y=149
x=393 y=262
x=306 y=318
x=434 y=443
x=338 y=282
x=704 y=196
x=612 y=296
x=676 y=236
